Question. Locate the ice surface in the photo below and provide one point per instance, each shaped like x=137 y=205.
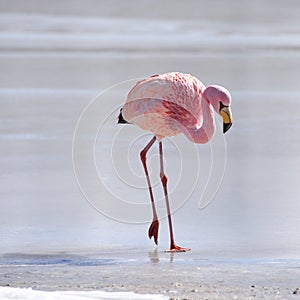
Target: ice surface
x=8 y=293
x=56 y=58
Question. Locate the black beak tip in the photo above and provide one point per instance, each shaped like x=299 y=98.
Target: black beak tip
x=226 y=127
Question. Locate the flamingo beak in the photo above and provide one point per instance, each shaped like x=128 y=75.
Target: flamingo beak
x=226 y=114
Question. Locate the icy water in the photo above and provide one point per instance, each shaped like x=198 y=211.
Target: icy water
x=55 y=59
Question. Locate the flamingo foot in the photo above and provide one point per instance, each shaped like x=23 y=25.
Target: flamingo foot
x=176 y=248
x=153 y=231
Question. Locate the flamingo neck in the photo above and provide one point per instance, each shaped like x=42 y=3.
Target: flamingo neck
x=203 y=134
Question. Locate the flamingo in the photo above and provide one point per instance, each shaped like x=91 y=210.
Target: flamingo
x=167 y=105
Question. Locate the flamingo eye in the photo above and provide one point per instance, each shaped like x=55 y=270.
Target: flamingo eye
x=221 y=105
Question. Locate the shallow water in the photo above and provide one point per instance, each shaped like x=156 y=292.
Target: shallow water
x=55 y=65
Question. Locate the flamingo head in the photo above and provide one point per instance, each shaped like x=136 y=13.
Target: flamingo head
x=220 y=100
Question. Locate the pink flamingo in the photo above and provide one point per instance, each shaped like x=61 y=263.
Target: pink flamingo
x=167 y=105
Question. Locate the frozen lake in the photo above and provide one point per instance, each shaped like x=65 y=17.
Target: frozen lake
x=55 y=60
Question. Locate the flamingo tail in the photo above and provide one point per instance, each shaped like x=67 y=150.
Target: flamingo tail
x=121 y=120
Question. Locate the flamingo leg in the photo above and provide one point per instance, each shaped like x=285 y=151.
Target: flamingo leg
x=153 y=229
x=164 y=181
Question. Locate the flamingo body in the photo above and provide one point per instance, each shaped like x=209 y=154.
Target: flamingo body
x=170 y=104
x=157 y=103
